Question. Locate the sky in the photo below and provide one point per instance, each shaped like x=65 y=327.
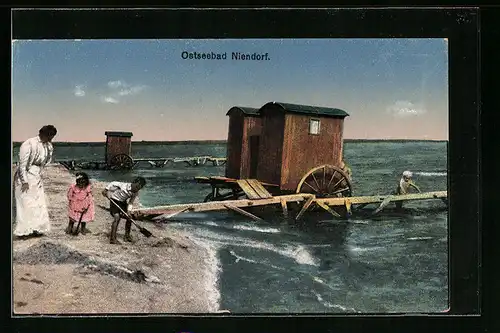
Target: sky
x=391 y=88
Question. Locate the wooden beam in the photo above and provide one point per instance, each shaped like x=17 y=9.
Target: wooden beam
x=382 y=205
x=328 y=209
x=218 y=205
x=305 y=207
x=248 y=189
x=261 y=191
x=285 y=208
x=177 y=212
x=379 y=199
x=243 y=212
x=348 y=207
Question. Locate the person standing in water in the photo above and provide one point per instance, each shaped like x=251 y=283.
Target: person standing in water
x=404 y=186
x=32 y=215
x=80 y=203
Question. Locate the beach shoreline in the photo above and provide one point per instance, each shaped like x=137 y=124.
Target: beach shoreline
x=171 y=272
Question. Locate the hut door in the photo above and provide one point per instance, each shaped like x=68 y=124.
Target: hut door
x=254 y=155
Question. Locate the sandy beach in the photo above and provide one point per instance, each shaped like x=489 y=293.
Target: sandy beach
x=59 y=273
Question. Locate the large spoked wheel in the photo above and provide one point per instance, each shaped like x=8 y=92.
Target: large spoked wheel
x=121 y=162
x=326 y=181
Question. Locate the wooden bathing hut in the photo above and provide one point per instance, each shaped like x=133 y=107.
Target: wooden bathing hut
x=242 y=142
x=118 y=148
x=301 y=149
x=281 y=149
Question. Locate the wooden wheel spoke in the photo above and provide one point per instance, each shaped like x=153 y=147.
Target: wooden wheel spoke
x=336 y=184
x=341 y=190
x=319 y=187
x=333 y=176
x=324 y=176
x=315 y=190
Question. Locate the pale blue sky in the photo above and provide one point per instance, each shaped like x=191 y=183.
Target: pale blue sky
x=392 y=88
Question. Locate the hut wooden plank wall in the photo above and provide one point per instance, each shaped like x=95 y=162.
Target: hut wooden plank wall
x=271 y=146
x=295 y=139
x=242 y=142
x=117 y=143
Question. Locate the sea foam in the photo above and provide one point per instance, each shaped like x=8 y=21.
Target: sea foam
x=431 y=174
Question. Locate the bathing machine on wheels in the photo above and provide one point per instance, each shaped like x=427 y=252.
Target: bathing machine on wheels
x=283 y=149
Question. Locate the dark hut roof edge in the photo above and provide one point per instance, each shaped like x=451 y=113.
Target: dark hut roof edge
x=309 y=109
x=293 y=108
x=245 y=110
x=120 y=134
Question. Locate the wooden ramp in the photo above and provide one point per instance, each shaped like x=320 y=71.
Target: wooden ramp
x=253 y=189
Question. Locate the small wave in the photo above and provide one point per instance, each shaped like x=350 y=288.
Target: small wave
x=238 y=258
x=431 y=174
x=419 y=238
x=365 y=249
x=302 y=256
x=257 y=229
x=211 y=223
x=298 y=253
x=317 y=279
x=335 y=306
x=326 y=222
x=320 y=245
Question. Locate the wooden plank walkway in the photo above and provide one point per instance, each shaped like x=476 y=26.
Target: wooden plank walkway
x=253 y=189
x=380 y=198
x=156 y=162
x=309 y=199
x=257 y=186
x=218 y=205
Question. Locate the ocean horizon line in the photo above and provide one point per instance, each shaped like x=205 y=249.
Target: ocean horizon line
x=173 y=142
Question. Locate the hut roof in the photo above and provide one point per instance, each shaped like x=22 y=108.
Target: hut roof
x=309 y=109
x=244 y=110
x=121 y=134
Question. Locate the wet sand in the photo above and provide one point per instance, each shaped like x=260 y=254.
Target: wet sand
x=60 y=273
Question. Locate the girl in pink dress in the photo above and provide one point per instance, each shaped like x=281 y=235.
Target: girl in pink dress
x=81 y=203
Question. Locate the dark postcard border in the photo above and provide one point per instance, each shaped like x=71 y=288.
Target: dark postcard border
x=460 y=26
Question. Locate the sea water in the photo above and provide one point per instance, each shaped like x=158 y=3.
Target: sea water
x=391 y=263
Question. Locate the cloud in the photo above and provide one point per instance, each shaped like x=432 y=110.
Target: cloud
x=78 y=91
x=121 y=89
x=115 y=84
x=131 y=91
x=405 y=109
x=109 y=99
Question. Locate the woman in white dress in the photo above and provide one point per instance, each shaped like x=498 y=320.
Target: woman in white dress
x=32 y=216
